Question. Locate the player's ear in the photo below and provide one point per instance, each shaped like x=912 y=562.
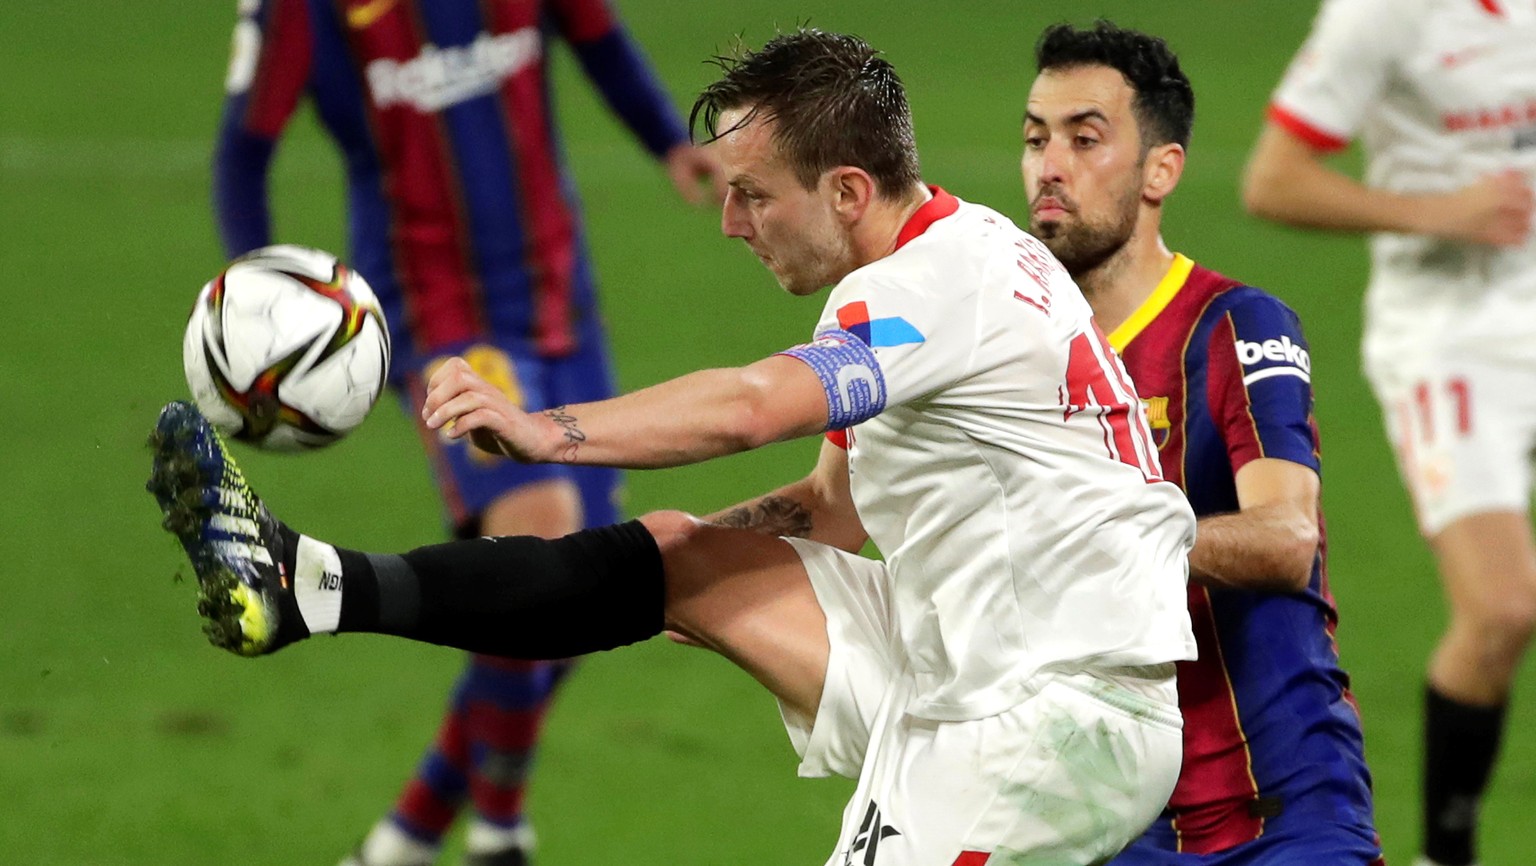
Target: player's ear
x=850 y=190
x=1161 y=171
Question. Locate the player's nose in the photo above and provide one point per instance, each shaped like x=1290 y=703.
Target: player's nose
x=733 y=216
x=1052 y=163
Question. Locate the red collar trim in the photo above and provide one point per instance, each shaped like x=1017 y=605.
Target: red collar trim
x=940 y=206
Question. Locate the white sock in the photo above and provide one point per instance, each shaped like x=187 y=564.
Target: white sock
x=483 y=837
x=317 y=585
x=388 y=845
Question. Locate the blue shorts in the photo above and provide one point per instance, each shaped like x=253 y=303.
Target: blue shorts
x=1292 y=840
x=470 y=479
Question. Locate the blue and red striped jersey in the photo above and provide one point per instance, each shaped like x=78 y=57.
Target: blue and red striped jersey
x=462 y=215
x=1270 y=727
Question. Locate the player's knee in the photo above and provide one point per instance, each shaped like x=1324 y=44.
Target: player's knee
x=1509 y=626
x=1498 y=633
x=690 y=570
x=671 y=529
x=1505 y=603
x=685 y=554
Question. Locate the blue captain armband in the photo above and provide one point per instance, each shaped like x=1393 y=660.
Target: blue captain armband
x=849 y=374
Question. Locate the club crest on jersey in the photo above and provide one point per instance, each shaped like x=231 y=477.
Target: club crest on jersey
x=876 y=333
x=1157 y=419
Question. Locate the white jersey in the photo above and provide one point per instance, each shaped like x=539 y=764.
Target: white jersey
x=1441 y=93
x=1002 y=464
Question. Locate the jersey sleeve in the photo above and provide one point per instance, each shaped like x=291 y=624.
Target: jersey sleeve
x=268 y=71
x=1259 y=384
x=619 y=70
x=1342 y=68
x=879 y=348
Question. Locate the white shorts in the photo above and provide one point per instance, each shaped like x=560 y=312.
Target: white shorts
x=1072 y=774
x=1463 y=429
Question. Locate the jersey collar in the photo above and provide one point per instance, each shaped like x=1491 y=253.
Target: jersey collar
x=1167 y=287
x=940 y=206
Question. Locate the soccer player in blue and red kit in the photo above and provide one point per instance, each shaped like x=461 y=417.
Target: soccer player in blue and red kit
x=1274 y=770
x=466 y=223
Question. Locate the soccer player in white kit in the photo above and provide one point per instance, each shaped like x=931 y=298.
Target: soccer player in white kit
x=1002 y=685
x=1442 y=94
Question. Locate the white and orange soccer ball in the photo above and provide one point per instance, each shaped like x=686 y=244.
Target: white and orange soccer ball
x=286 y=349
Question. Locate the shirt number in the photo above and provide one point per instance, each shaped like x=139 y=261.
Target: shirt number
x=1097 y=383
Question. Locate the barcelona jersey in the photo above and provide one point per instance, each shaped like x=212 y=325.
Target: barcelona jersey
x=462 y=215
x=1272 y=737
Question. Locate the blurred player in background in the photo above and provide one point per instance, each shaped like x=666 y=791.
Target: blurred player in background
x=1443 y=96
x=1274 y=770
x=1002 y=684
x=466 y=223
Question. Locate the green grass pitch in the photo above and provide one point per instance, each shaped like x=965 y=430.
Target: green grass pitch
x=125 y=739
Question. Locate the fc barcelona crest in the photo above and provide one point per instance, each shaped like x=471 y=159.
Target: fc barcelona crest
x=1157 y=419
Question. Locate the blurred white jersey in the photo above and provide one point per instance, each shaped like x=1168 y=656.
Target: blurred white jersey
x=1441 y=93
x=1003 y=465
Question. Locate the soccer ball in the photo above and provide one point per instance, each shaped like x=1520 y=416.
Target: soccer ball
x=286 y=349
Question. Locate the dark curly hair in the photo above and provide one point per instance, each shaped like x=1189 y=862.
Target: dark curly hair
x=1164 y=103
x=833 y=100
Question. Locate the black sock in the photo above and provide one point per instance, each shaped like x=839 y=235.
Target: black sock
x=1461 y=742
x=519 y=596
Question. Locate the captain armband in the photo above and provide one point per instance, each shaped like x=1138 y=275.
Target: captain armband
x=850 y=376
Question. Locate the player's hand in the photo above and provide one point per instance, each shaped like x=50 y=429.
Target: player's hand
x=1495 y=211
x=695 y=173
x=460 y=403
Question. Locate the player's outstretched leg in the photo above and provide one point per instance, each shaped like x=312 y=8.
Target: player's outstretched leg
x=241 y=553
x=263 y=586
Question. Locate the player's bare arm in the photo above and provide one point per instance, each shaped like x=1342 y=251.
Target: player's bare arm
x=1289 y=181
x=818 y=507
x=1269 y=543
x=690 y=419
x=777 y=513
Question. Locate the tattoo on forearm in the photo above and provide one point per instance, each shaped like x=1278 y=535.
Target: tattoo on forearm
x=771 y=515
x=573 y=435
